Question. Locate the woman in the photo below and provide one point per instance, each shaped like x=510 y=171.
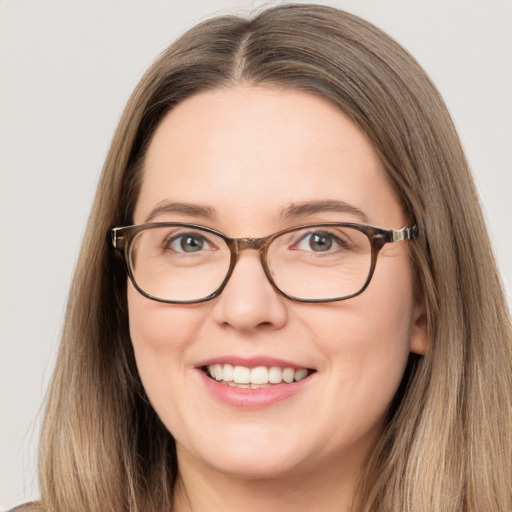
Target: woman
x=343 y=368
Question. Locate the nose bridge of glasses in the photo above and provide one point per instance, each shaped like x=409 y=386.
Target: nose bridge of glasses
x=241 y=244
x=256 y=244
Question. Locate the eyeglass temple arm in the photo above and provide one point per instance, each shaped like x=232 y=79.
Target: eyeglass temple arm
x=406 y=233
x=117 y=239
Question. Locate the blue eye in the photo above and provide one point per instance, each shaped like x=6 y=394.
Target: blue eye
x=187 y=242
x=318 y=241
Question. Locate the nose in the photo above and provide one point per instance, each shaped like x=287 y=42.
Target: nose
x=249 y=302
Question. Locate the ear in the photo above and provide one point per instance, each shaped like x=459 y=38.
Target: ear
x=419 y=342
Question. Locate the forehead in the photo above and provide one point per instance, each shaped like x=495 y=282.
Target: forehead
x=258 y=150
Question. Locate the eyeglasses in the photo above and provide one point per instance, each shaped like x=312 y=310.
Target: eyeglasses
x=185 y=263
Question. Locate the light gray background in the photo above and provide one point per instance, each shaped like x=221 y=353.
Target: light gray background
x=66 y=70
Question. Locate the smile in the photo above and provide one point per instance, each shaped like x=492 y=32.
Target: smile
x=254 y=378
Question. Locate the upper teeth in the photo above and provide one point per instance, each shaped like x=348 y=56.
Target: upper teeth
x=258 y=375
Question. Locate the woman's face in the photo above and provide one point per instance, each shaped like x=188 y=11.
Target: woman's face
x=246 y=161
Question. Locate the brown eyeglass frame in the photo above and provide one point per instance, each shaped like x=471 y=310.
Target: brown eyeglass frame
x=122 y=237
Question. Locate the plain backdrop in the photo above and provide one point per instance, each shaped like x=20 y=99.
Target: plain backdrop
x=67 y=68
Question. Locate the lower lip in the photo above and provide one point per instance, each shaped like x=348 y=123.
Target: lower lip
x=247 y=398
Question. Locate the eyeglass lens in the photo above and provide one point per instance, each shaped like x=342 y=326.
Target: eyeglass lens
x=180 y=263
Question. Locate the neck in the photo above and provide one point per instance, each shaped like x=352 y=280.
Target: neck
x=200 y=488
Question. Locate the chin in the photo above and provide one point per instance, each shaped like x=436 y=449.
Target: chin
x=254 y=459
x=256 y=467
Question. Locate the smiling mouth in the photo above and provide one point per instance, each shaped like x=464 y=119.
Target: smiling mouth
x=257 y=377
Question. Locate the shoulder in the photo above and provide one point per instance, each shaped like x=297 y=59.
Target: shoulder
x=33 y=506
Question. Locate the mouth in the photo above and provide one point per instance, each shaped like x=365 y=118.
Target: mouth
x=255 y=377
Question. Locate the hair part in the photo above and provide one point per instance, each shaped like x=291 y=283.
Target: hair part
x=447 y=445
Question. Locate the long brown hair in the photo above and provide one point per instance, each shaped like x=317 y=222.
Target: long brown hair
x=447 y=446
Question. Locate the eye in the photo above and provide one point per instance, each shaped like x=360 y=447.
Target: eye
x=187 y=243
x=319 y=241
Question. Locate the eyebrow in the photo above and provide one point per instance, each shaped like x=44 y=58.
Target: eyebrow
x=292 y=211
x=331 y=205
x=180 y=209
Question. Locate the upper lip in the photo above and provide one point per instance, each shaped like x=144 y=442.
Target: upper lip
x=251 y=362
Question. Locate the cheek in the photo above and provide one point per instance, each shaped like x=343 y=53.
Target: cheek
x=368 y=356
x=365 y=342
x=160 y=335
x=385 y=336
x=160 y=327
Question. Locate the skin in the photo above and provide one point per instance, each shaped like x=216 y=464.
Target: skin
x=248 y=153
